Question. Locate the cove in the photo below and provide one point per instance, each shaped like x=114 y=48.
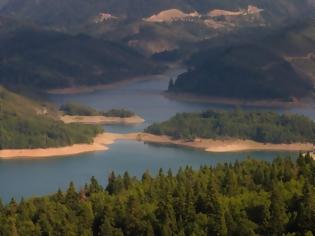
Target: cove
x=27 y=178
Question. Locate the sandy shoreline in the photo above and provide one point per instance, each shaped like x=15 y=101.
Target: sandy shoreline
x=51 y=152
x=237 y=102
x=231 y=145
x=102 y=120
x=102 y=141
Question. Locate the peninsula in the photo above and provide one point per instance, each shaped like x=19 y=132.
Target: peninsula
x=27 y=124
x=211 y=131
x=77 y=113
x=101 y=142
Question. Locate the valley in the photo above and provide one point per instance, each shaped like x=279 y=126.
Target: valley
x=157 y=117
x=125 y=152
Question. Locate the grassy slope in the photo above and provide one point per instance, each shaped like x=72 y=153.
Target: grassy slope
x=27 y=124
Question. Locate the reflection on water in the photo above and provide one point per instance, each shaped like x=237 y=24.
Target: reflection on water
x=42 y=176
x=146 y=99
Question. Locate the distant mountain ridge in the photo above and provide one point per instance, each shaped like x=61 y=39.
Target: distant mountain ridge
x=60 y=13
x=97 y=36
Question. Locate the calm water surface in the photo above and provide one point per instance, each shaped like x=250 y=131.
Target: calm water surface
x=43 y=176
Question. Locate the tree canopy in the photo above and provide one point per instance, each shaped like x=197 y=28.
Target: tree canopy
x=77 y=109
x=24 y=123
x=251 y=197
x=258 y=126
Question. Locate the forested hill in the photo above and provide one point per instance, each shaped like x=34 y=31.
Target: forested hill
x=244 y=72
x=46 y=59
x=266 y=127
x=27 y=124
x=278 y=65
x=246 y=198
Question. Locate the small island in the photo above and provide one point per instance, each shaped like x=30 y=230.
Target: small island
x=28 y=132
x=78 y=113
x=236 y=131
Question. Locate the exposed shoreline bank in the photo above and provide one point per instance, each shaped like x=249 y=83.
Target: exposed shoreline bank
x=226 y=145
x=102 y=120
x=102 y=141
x=238 y=102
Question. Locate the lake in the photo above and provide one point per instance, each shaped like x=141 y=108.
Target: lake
x=33 y=177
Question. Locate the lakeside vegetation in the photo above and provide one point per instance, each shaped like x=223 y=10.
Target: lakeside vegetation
x=18 y=132
x=266 y=127
x=251 y=197
x=26 y=124
x=76 y=109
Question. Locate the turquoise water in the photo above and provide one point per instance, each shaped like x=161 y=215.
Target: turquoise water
x=43 y=176
x=38 y=177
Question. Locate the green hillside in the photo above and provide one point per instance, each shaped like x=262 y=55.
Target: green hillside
x=275 y=65
x=297 y=45
x=266 y=127
x=246 y=72
x=28 y=124
x=47 y=59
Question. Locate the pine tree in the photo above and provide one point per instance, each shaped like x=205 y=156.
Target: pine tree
x=72 y=196
x=133 y=219
x=265 y=219
x=1 y=206
x=12 y=207
x=171 y=85
x=166 y=216
x=106 y=228
x=115 y=184
x=146 y=177
x=278 y=217
x=59 y=196
x=217 y=224
x=13 y=229
x=230 y=182
x=94 y=186
x=306 y=211
x=85 y=217
x=127 y=180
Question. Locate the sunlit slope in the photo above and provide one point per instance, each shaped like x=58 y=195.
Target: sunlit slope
x=27 y=124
